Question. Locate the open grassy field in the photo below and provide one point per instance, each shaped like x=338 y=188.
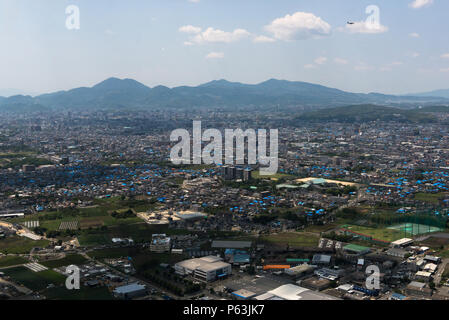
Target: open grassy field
x=384 y=234
x=293 y=239
x=19 y=245
x=12 y=261
x=61 y=293
x=35 y=281
x=75 y=259
x=433 y=198
x=256 y=175
x=323 y=228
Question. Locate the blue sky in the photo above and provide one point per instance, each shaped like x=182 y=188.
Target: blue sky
x=182 y=42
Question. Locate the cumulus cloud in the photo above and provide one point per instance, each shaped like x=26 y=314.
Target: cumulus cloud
x=190 y=29
x=263 y=39
x=417 y=4
x=215 y=35
x=414 y=35
x=298 y=26
x=215 y=55
x=364 y=27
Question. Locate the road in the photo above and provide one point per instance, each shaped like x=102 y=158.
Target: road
x=439 y=274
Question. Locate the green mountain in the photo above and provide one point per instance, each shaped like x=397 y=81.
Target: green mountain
x=116 y=93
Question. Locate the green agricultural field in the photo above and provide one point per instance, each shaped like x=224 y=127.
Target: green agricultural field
x=61 y=293
x=35 y=281
x=95 y=216
x=293 y=239
x=75 y=259
x=20 y=245
x=12 y=261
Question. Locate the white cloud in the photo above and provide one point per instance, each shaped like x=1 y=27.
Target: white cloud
x=188 y=43
x=445 y=56
x=414 y=35
x=298 y=26
x=417 y=4
x=341 y=61
x=321 y=60
x=190 y=29
x=215 y=55
x=263 y=39
x=216 y=35
x=415 y=54
x=194 y=1
x=364 y=27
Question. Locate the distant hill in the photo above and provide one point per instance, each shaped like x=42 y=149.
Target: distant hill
x=366 y=113
x=437 y=93
x=121 y=94
x=434 y=109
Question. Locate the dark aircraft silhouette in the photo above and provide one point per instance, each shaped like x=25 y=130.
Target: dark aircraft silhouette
x=350 y=22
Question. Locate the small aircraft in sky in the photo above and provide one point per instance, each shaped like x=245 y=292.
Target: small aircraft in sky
x=350 y=22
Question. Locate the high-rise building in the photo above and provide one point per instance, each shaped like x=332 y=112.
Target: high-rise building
x=247 y=174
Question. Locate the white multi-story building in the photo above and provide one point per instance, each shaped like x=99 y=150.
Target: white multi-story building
x=206 y=269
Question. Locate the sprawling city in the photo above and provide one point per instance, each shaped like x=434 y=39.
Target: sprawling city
x=111 y=191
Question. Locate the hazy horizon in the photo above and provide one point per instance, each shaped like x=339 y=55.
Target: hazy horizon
x=188 y=42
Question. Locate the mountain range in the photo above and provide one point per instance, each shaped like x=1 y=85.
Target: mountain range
x=119 y=94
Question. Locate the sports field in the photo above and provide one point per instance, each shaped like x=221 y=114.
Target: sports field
x=383 y=234
x=392 y=233
x=414 y=229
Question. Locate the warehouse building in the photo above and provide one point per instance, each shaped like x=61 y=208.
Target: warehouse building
x=130 y=291
x=206 y=269
x=294 y=292
x=402 y=243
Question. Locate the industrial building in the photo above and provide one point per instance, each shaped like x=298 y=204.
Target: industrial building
x=130 y=291
x=294 y=292
x=206 y=269
x=401 y=243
